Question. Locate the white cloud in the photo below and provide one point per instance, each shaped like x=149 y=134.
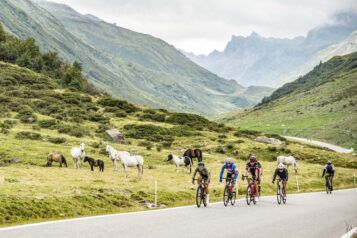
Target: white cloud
x=201 y=26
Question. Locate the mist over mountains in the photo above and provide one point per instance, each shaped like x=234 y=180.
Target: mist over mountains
x=267 y=61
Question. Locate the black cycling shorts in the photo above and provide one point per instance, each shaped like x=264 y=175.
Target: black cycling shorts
x=332 y=173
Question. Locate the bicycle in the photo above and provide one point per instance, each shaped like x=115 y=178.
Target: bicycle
x=280 y=195
x=228 y=194
x=251 y=187
x=201 y=194
x=328 y=184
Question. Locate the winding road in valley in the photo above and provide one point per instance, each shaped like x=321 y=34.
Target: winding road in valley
x=304 y=215
x=323 y=144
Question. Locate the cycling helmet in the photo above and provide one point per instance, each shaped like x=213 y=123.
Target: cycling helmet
x=329 y=162
x=280 y=166
x=228 y=160
x=201 y=164
x=252 y=158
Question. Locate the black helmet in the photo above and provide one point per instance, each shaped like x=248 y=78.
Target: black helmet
x=201 y=164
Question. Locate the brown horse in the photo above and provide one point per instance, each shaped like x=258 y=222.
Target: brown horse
x=56 y=158
x=196 y=153
x=94 y=163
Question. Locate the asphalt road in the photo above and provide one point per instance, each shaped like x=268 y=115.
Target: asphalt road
x=323 y=144
x=304 y=215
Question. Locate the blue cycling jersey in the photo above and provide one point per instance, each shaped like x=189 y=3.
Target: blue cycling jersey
x=230 y=170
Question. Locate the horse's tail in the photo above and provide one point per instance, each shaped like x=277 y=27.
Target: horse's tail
x=64 y=160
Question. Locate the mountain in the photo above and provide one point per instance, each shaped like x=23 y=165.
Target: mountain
x=136 y=67
x=92 y=17
x=256 y=60
x=320 y=105
x=347 y=46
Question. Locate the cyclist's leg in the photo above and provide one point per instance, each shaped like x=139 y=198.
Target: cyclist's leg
x=332 y=181
x=199 y=179
x=206 y=186
x=284 y=186
x=326 y=178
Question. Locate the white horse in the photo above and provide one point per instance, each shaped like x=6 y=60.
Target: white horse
x=114 y=155
x=132 y=161
x=78 y=155
x=181 y=161
x=290 y=160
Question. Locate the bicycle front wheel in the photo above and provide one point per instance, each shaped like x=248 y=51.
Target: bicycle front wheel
x=198 y=196
x=249 y=195
x=233 y=199
x=226 y=195
x=327 y=185
x=278 y=194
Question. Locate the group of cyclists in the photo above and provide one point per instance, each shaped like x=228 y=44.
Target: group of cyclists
x=253 y=171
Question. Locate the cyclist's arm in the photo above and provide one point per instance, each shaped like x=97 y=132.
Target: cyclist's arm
x=222 y=171
x=208 y=175
x=333 y=168
x=194 y=174
x=287 y=174
x=323 y=173
x=275 y=173
x=236 y=172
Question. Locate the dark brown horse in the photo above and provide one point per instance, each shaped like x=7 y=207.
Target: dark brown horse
x=196 y=153
x=56 y=158
x=94 y=163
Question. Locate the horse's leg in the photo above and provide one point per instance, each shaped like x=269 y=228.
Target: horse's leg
x=177 y=168
x=91 y=166
x=126 y=171
x=60 y=165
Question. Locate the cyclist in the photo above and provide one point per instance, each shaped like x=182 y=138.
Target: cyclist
x=282 y=174
x=253 y=167
x=203 y=174
x=329 y=170
x=232 y=171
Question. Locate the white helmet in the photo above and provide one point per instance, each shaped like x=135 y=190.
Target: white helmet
x=228 y=160
x=280 y=166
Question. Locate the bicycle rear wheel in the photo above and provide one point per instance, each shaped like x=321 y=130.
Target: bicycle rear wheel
x=278 y=194
x=328 y=185
x=198 y=196
x=226 y=195
x=248 y=195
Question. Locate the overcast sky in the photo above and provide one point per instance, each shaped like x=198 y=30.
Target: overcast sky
x=200 y=26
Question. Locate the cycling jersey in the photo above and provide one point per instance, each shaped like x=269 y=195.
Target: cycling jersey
x=230 y=171
x=252 y=168
x=204 y=173
x=329 y=169
x=282 y=175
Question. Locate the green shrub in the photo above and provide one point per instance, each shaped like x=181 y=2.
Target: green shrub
x=57 y=140
x=47 y=123
x=120 y=113
x=159 y=117
x=76 y=131
x=246 y=133
x=120 y=104
x=11 y=180
x=25 y=114
x=220 y=150
x=28 y=135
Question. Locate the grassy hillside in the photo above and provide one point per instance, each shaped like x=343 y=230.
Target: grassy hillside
x=122 y=62
x=319 y=105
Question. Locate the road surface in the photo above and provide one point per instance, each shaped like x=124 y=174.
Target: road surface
x=304 y=215
x=323 y=144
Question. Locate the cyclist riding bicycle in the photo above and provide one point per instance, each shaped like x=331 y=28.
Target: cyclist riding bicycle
x=232 y=171
x=253 y=168
x=282 y=174
x=203 y=174
x=329 y=170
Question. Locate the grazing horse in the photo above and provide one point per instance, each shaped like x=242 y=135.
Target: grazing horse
x=196 y=153
x=78 y=155
x=94 y=163
x=132 y=161
x=290 y=160
x=56 y=158
x=181 y=161
x=114 y=155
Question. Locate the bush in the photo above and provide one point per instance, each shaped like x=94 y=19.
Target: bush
x=47 y=123
x=159 y=117
x=156 y=133
x=120 y=104
x=120 y=113
x=220 y=150
x=246 y=133
x=272 y=148
x=28 y=135
x=25 y=114
x=191 y=120
x=76 y=131
x=57 y=140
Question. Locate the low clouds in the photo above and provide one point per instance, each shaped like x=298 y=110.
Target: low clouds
x=201 y=26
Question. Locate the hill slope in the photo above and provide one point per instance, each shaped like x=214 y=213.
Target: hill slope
x=320 y=105
x=124 y=63
x=257 y=60
x=41 y=114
